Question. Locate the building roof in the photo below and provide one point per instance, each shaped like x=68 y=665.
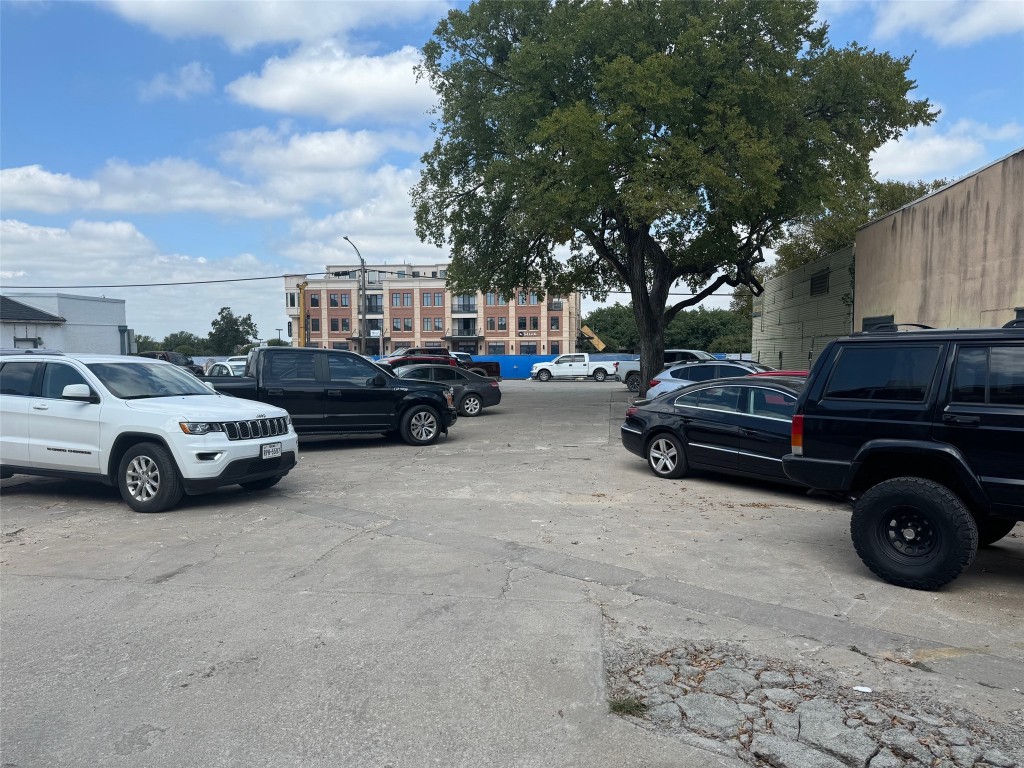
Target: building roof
x=12 y=311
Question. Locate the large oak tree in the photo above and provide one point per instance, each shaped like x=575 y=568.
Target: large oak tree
x=599 y=145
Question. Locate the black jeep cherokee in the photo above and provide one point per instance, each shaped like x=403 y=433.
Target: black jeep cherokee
x=924 y=431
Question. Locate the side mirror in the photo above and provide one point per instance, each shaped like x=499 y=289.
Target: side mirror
x=380 y=380
x=80 y=393
x=210 y=386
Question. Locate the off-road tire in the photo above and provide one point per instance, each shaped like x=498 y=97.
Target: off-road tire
x=992 y=529
x=471 y=405
x=600 y=374
x=913 y=532
x=148 y=478
x=665 y=456
x=633 y=382
x=421 y=425
x=262 y=485
x=544 y=375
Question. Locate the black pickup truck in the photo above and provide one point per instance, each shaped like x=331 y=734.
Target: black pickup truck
x=328 y=391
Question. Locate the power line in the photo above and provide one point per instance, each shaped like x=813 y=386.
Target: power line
x=155 y=285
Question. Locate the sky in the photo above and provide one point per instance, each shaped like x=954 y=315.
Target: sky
x=146 y=142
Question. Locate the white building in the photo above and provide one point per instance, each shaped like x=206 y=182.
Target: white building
x=64 y=322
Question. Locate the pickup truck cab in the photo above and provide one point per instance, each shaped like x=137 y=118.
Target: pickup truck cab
x=177 y=358
x=331 y=391
x=577 y=365
x=480 y=367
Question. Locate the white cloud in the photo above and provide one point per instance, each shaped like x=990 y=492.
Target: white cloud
x=325 y=81
x=930 y=153
x=116 y=253
x=324 y=165
x=165 y=186
x=949 y=22
x=193 y=79
x=245 y=24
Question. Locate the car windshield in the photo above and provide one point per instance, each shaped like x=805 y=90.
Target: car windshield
x=238 y=368
x=135 y=380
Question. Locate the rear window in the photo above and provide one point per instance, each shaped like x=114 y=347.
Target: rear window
x=993 y=375
x=16 y=378
x=898 y=373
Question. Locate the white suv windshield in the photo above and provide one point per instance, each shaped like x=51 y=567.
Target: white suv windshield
x=130 y=381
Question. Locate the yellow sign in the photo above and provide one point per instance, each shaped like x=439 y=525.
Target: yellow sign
x=592 y=338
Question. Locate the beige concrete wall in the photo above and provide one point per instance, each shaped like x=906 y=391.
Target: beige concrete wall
x=954 y=259
x=790 y=325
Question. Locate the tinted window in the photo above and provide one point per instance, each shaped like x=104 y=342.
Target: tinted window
x=984 y=375
x=445 y=374
x=696 y=372
x=689 y=399
x=900 y=373
x=57 y=376
x=289 y=366
x=346 y=368
x=16 y=378
x=720 y=398
x=420 y=374
x=771 y=403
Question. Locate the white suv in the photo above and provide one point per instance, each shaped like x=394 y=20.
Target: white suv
x=146 y=426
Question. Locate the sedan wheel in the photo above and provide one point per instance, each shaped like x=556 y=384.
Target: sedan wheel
x=471 y=405
x=665 y=456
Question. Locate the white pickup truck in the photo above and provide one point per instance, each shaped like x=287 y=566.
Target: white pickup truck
x=575 y=366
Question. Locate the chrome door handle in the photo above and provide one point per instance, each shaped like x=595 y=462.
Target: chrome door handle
x=41 y=407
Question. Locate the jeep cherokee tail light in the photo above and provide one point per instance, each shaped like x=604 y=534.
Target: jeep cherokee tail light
x=796 y=436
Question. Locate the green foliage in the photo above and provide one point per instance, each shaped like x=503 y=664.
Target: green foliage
x=185 y=342
x=230 y=333
x=827 y=231
x=655 y=143
x=713 y=330
x=147 y=343
x=274 y=343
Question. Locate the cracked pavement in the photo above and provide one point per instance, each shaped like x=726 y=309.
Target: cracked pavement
x=479 y=602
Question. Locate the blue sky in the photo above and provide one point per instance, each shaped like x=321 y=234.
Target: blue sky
x=149 y=141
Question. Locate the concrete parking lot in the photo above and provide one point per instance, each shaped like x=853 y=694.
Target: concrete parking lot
x=477 y=603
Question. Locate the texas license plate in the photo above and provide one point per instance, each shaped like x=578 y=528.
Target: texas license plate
x=271 y=451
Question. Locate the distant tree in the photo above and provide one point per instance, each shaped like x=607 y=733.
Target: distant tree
x=146 y=343
x=713 y=330
x=185 y=342
x=827 y=231
x=277 y=343
x=615 y=326
x=660 y=142
x=230 y=333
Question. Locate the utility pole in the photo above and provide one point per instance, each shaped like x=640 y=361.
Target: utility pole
x=279 y=333
x=362 y=297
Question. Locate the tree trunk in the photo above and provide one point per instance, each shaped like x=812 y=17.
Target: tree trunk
x=648 y=307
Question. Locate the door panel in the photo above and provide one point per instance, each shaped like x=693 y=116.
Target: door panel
x=765 y=432
x=16 y=386
x=290 y=382
x=352 y=401
x=712 y=428
x=64 y=434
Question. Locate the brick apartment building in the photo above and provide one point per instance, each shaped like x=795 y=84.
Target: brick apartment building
x=408 y=305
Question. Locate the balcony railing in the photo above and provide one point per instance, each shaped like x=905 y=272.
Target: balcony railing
x=465 y=331
x=554 y=306
x=464 y=306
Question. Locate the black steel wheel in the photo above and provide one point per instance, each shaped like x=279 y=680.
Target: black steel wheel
x=665 y=456
x=471 y=405
x=420 y=425
x=600 y=374
x=913 y=532
x=262 y=485
x=148 y=478
x=992 y=529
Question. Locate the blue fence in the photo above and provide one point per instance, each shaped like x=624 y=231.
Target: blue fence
x=518 y=366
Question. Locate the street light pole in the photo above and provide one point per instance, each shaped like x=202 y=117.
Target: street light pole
x=362 y=297
x=279 y=333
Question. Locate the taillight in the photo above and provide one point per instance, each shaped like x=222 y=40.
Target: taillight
x=616 y=365
x=653 y=383
x=796 y=436
x=631 y=411
x=494 y=384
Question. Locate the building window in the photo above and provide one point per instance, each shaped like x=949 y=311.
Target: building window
x=521 y=323
x=333 y=300
x=443 y=273
x=554 y=322
x=407 y=324
x=496 y=348
x=533 y=298
x=534 y=323
x=502 y=301
x=528 y=348
x=438 y=323
x=291 y=299
x=375 y=303
x=502 y=323
x=428 y=324
x=396 y=299
x=819 y=283
x=344 y=324
x=314 y=325
x=375 y=325
x=335 y=325
x=428 y=299
x=556 y=348
x=401 y=274
x=339 y=345
x=396 y=323
x=491 y=298
x=438 y=299
x=522 y=298
x=490 y=323
x=344 y=299
x=406 y=299
x=314 y=299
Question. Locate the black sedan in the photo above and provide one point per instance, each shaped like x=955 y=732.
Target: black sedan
x=473 y=392
x=740 y=426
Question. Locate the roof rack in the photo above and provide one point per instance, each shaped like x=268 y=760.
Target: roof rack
x=893 y=327
x=30 y=352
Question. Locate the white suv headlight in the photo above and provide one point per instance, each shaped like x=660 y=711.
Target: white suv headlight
x=200 y=427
